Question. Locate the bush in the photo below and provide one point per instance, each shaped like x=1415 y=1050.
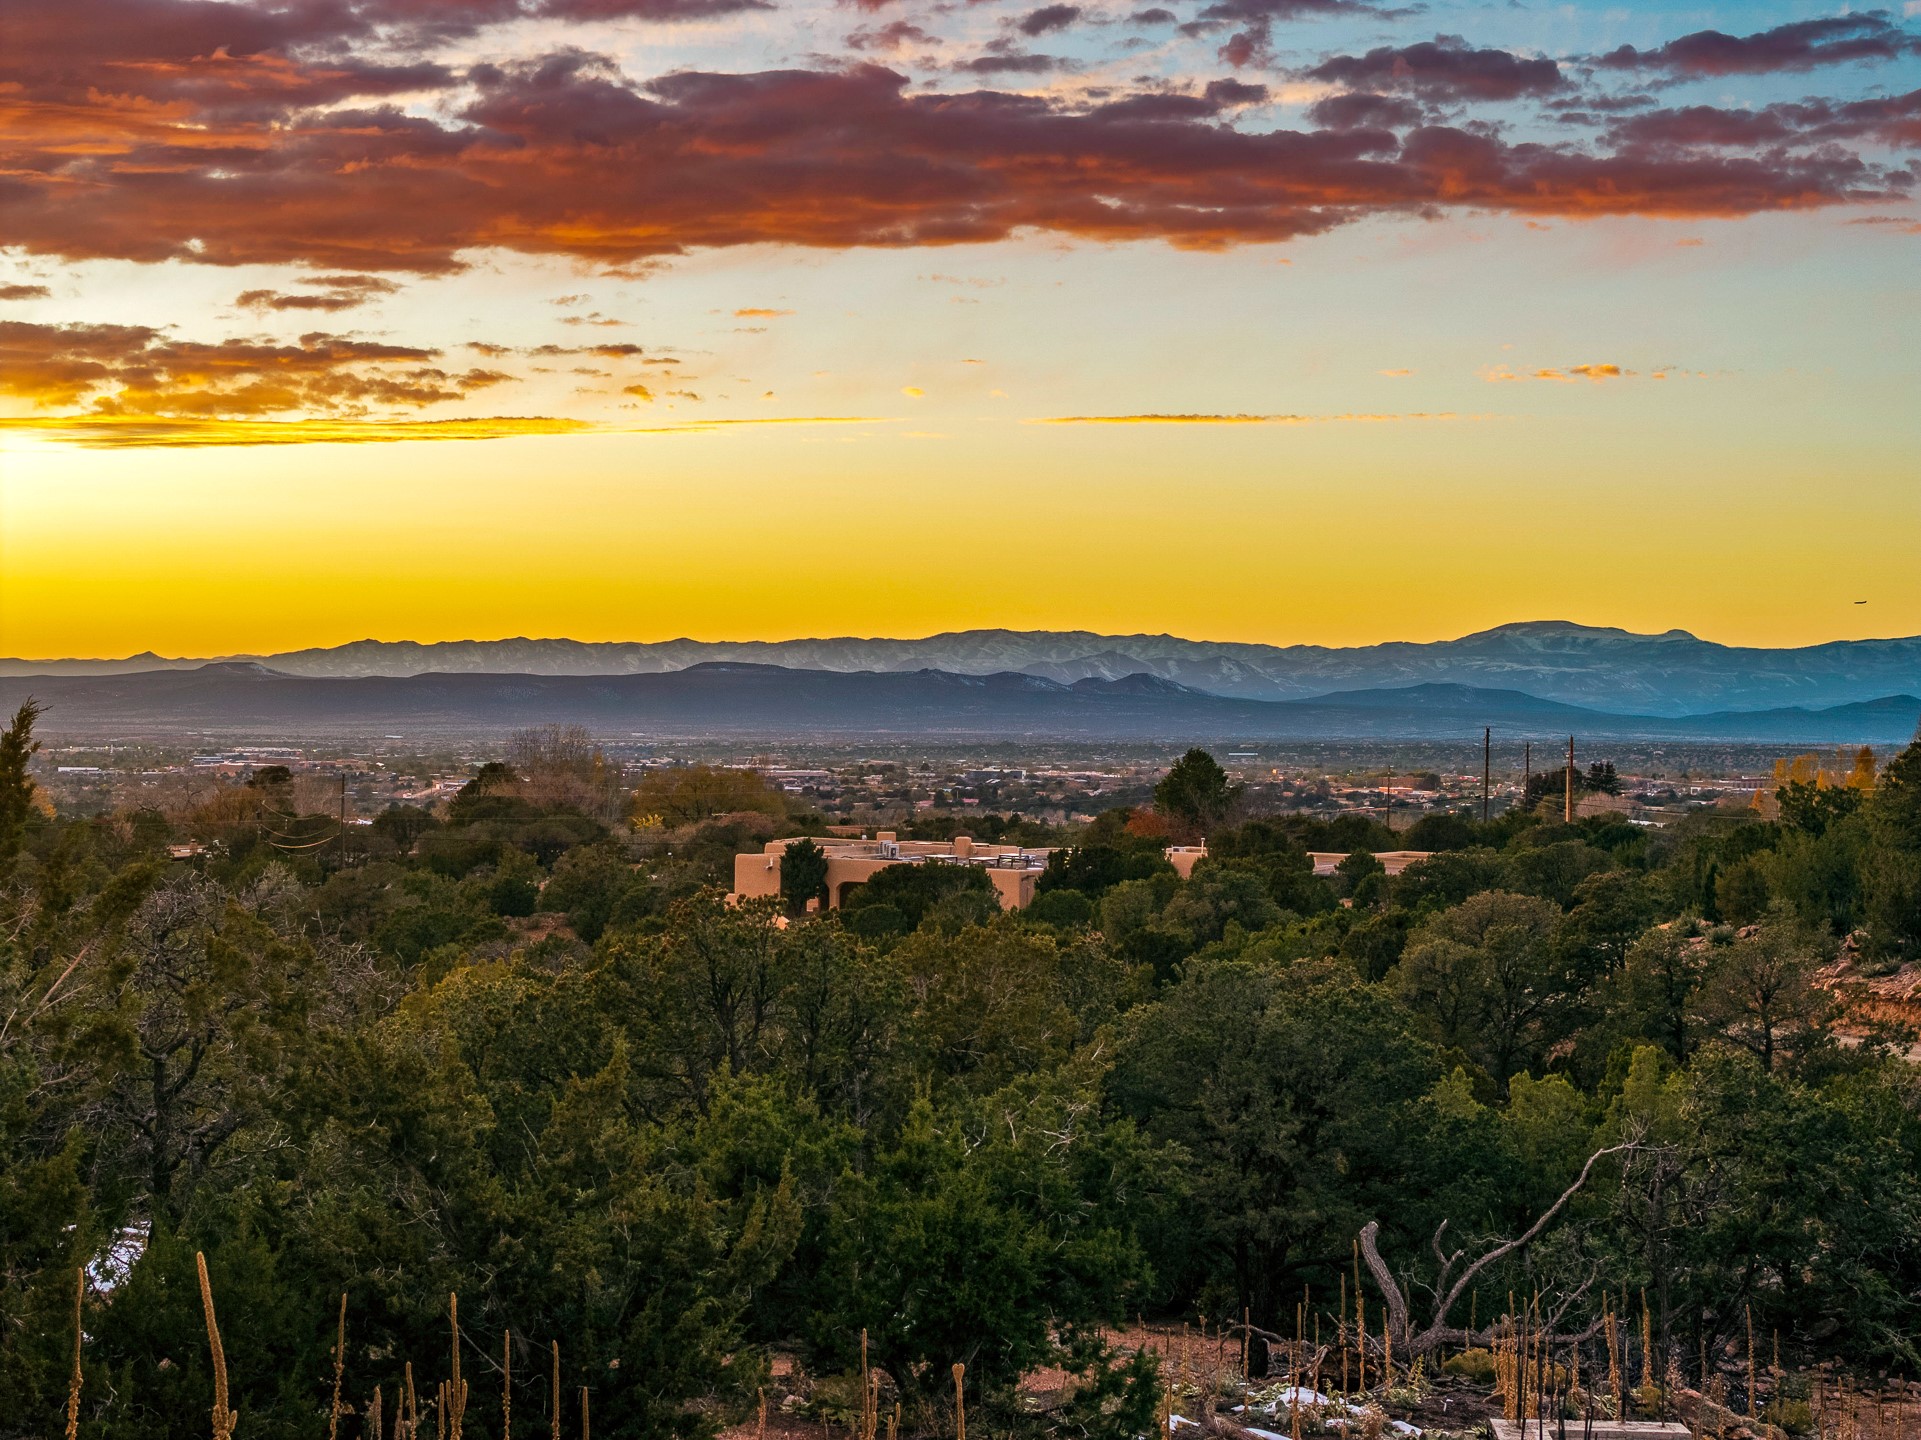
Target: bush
x=1069 y=909
x=1476 y=1365
x=1793 y=1416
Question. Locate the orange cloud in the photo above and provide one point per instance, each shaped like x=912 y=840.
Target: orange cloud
x=337 y=292
x=1566 y=375
x=118 y=431
x=190 y=149
x=755 y=313
x=135 y=370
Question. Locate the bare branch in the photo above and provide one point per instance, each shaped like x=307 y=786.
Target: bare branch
x=1448 y=1294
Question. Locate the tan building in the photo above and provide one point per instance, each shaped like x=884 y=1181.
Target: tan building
x=1392 y=861
x=851 y=862
x=1185 y=857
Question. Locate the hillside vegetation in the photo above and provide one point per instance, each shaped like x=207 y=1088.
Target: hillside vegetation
x=523 y=1050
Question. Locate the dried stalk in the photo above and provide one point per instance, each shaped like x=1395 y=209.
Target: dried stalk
x=960 y=1403
x=456 y=1388
x=1614 y=1366
x=556 y=1345
x=73 y=1382
x=340 y=1369
x=224 y=1418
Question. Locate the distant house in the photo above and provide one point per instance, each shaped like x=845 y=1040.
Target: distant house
x=850 y=862
x=1185 y=857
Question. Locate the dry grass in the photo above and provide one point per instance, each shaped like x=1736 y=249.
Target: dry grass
x=223 y=1417
x=340 y=1370
x=73 y=1382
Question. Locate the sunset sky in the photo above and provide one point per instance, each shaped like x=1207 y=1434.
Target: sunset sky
x=1280 y=320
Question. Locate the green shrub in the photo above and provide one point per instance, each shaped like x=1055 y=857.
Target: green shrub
x=1476 y=1365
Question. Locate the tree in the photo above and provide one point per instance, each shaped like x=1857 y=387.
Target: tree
x=1652 y=995
x=1195 y=794
x=205 y=1006
x=1487 y=979
x=1219 y=894
x=1095 y=869
x=1295 y=1092
x=1273 y=851
x=803 y=876
x=682 y=795
x=17 y=747
x=403 y=825
x=1893 y=869
x=1362 y=878
x=995 y=1235
x=1442 y=832
x=1454 y=1279
x=1757 y=992
x=1813 y=808
x=913 y=890
x=1741 y=892
x=1611 y=908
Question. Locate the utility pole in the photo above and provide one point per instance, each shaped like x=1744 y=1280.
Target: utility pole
x=343 y=819
x=1527 y=768
x=1487 y=762
x=1567 y=815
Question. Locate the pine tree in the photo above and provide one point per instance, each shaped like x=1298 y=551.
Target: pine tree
x=17 y=747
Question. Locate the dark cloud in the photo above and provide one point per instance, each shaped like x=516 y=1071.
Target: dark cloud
x=1893 y=121
x=1171 y=106
x=1445 y=68
x=1252 y=46
x=1253 y=43
x=1802 y=45
x=1359 y=111
x=1155 y=16
x=335 y=293
x=666 y=10
x=24 y=292
x=1048 y=19
x=1008 y=62
x=565 y=156
x=895 y=36
x=1230 y=94
x=1702 y=125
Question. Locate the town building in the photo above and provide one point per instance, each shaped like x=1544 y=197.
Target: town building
x=1185 y=857
x=852 y=862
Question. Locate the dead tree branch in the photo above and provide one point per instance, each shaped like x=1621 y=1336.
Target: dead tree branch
x=1449 y=1286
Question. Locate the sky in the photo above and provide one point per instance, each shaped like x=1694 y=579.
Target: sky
x=1272 y=320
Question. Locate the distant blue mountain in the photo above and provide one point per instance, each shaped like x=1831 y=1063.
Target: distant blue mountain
x=734 y=699
x=1615 y=670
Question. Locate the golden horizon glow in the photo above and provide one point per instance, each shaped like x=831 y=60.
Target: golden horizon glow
x=765 y=325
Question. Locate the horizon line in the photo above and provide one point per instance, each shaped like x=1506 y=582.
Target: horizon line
x=1675 y=632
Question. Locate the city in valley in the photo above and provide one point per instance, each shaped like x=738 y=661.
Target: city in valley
x=914 y=720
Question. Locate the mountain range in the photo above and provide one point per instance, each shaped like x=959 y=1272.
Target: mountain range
x=248 y=700
x=1672 y=674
